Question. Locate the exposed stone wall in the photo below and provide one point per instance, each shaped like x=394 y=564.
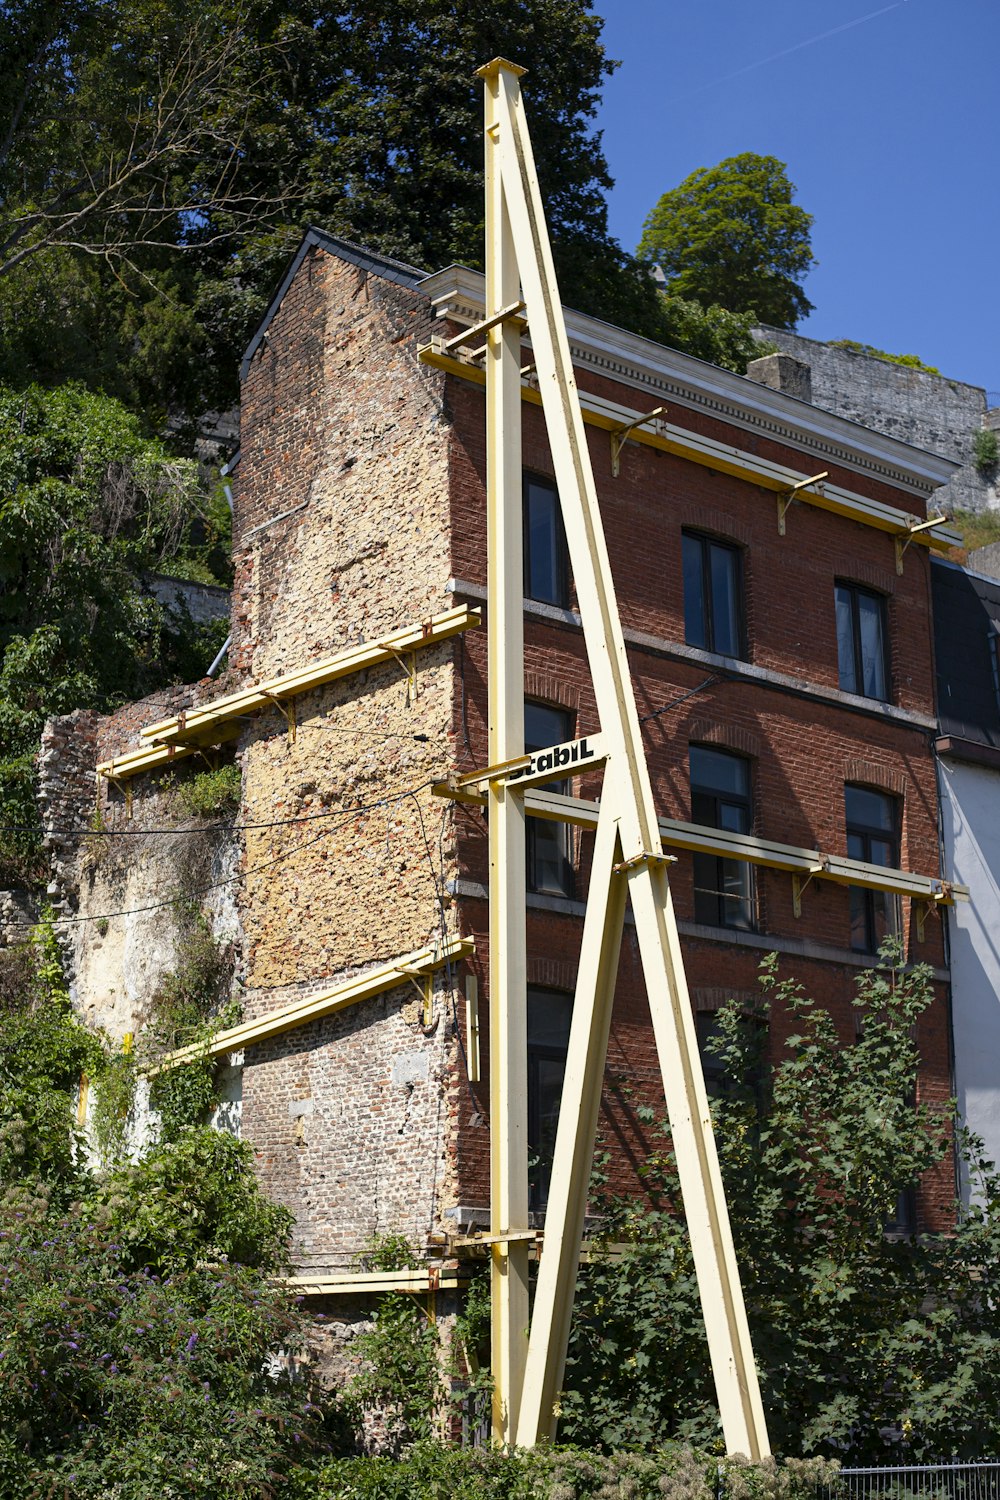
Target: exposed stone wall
x=180 y=596
x=124 y=866
x=346 y=443
x=928 y=411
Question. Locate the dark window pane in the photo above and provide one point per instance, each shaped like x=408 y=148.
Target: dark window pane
x=718 y=771
x=737 y=909
x=725 y=601
x=713 y=607
x=695 y=612
x=870 y=614
x=549 y=1014
x=869 y=809
x=546 y=570
x=548 y=845
x=545 y=726
x=861 y=642
x=872 y=837
x=860 y=920
x=845 y=640
x=720 y=798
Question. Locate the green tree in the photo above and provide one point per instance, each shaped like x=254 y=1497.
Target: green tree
x=731 y=236
x=87 y=506
x=145 y=1347
x=857 y=1332
x=159 y=161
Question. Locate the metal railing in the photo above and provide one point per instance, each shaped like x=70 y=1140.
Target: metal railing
x=947 y=1481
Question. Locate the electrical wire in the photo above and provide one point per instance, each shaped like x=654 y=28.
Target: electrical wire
x=344 y=813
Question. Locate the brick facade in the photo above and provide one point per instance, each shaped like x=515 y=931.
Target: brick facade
x=360 y=508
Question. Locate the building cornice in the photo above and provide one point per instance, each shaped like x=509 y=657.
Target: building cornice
x=667 y=375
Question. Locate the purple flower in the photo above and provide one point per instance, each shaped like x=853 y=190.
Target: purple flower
x=189 y=1346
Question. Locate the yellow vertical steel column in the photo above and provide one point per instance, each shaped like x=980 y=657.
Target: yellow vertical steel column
x=505 y=609
x=627 y=797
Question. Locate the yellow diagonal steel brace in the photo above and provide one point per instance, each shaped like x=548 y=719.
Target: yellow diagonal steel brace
x=627 y=801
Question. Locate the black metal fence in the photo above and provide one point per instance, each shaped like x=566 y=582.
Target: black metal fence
x=954 y=1481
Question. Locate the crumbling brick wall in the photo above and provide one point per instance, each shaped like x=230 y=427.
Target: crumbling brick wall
x=346 y=443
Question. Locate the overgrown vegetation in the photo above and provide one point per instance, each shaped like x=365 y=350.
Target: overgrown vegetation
x=978 y=528
x=208 y=794
x=191 y=1004
x=143 y=1338
x=911 y=361
x=868 y=1342
x=88 y=505
x=400 y=1376
x=985 y=450
x=433 y=1471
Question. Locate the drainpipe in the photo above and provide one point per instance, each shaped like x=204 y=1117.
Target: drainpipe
x=228 y=492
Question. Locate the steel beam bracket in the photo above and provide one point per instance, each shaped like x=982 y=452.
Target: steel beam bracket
x=645 y=857
x=785 y=497
x=287 y=711
x=619 y=436
x=509 y=314
x=408 y=661
x=799 y=885
x=904 y=539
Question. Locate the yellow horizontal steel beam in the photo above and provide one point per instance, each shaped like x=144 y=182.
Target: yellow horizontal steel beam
x=196 y=721
x=312 y=1007
x=725 y=458
x=557 y=807
x=362 y=1283
x=218 y=721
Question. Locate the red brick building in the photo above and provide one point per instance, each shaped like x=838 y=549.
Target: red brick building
x=782 y=664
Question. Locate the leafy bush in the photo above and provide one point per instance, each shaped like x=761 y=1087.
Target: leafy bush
x=910 y=361
x=44 y=1050
x=88 y=505
x=401 y=1374
x=118 y=1382
x=985 y=450
x=432 y=1471
x=212 y=792
x=191 y=1004
x=192 y=1201
x=858 y=1334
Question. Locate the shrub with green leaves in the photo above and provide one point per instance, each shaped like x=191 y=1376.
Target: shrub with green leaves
x=210 y=793
x=858 y=1333
x=985 y=450
x=400 y=1376
x=121 y=1382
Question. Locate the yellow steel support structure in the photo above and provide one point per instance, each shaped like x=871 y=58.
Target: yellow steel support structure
x=300 y=1012
x=628 y=863
x=222 y=719
x=508 y=966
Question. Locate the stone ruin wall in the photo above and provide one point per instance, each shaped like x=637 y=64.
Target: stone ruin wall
x=925 y=410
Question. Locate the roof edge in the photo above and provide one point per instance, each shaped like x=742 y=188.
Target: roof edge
x=367 y=260
x=459 y=291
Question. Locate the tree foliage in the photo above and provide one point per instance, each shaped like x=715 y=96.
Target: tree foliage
x=864 y=1339
x=731 y=236
x=158 y=163
x=88 y=505
x=145 y=1349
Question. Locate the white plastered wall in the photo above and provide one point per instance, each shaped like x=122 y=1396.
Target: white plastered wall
x=970 y=810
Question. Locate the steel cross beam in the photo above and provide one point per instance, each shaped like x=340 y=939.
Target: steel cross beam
x=628 y=859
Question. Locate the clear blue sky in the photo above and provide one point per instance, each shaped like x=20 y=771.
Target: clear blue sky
x=890 y=129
